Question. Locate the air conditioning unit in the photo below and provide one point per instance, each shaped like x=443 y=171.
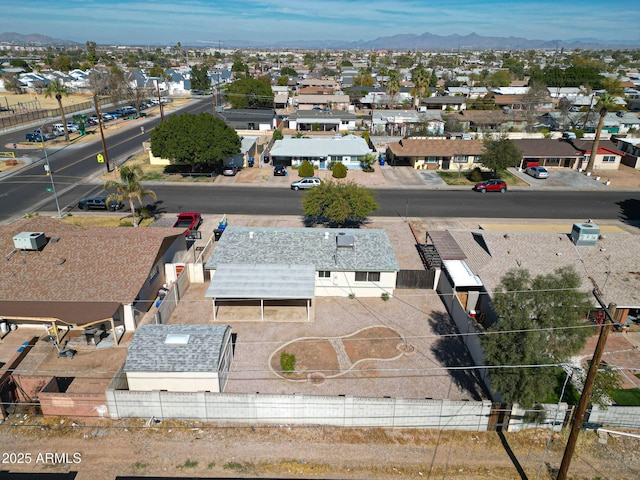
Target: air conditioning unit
x=585 y=234
x=29 y=240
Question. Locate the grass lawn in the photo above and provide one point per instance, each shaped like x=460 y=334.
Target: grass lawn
x=105 y=221
x=629 y=397
x=157 y=172
x=461 y=178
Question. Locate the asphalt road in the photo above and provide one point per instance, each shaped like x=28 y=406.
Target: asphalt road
x=28 y=190
x=624 y=206
x=73 y=165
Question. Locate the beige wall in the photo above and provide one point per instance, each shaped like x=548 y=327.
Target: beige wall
x=174 y=381
x=341 y=284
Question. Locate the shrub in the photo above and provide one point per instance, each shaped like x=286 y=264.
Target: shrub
x=476 y=175
x=339 y=170
x=385 y=297
x=277 y=135
x=352 y=295
x=287 y=362
x=306 y=169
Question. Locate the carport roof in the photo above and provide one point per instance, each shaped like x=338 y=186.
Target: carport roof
x=279 y=281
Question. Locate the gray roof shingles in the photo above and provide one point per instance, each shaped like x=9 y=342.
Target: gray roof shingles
x=148 y=351
x=372 y=250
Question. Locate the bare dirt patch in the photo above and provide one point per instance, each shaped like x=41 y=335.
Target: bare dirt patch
x=312 y=355
x=173 y=448
x=372 y=343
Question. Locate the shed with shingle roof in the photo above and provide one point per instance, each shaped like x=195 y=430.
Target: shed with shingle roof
x=179 y=358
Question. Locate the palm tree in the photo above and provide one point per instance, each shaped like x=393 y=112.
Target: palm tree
x=605 y=103
x=420 y=78
x=129 y=189
x=393 y=87
x=58 y=90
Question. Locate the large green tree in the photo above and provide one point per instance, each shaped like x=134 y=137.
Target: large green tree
x=58 y=90
x=499 y=154
x=194 y=139
x=129 y=189
x=200 y=78
x=536 y=325
x=339 y=203
x=249 y=93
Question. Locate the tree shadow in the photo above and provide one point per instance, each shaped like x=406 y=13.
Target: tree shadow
x=451 y=351
x=630 y=211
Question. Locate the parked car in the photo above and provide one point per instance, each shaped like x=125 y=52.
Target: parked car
x=537 y=172
x=230 y=170
x=305 y=183
x=99 y=203
x=493 y=185
x=190 y=221
x=279 y=171
x=72 y=127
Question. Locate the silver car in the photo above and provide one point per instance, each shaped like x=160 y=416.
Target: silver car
x=305 y=183
x=537 y=172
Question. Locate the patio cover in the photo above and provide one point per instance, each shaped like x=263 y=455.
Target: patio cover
x=268 y=282
x=262 y=282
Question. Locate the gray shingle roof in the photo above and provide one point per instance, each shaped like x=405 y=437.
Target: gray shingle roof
x=148 y=351
x=372 y=249
x=323 y=147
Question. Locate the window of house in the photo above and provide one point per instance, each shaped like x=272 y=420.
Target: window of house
x=367 y=276
x=324 y=274
x=432 y=159
x=608 y=159
x=251 y=126
x=459 y=159
x=553 y=161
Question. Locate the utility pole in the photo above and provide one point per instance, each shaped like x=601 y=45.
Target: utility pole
x=160 y=101
x=588 y=385
x=104 y=144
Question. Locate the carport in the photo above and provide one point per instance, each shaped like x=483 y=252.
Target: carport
x=254 y=292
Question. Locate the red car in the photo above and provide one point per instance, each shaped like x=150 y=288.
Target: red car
x=189 y=221
x=493 y=185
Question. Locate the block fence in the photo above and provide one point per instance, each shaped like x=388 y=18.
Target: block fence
x=341 y=411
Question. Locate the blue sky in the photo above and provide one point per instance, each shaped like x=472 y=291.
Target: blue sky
x=196 y=22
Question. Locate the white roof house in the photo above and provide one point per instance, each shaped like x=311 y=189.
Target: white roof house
x=348 y=149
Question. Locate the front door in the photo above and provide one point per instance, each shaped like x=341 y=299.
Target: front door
x=446 y=162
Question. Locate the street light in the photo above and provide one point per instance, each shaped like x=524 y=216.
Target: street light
x=47 y=169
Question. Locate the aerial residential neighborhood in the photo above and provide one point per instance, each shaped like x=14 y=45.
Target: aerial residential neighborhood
x=250 y=258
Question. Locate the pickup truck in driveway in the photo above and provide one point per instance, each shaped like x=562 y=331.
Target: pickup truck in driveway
x=189 y=221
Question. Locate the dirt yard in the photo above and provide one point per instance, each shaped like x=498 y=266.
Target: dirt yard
x=104 y=449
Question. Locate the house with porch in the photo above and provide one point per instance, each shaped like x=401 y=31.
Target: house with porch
x=435 y=154
x=330 y=102
x=322 y=121
x=319 y=151
x=549 y=153
x=406 y=122
x=252 y=268
x=481 y=121
x=70 y=277
x=444 y=102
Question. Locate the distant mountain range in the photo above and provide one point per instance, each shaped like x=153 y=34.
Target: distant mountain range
x=473 y=41
x=33 y=39
x=426 y=41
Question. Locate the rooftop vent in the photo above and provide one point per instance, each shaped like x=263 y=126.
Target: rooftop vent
x=176 y=339
x=29 y=240
x=344 y=240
